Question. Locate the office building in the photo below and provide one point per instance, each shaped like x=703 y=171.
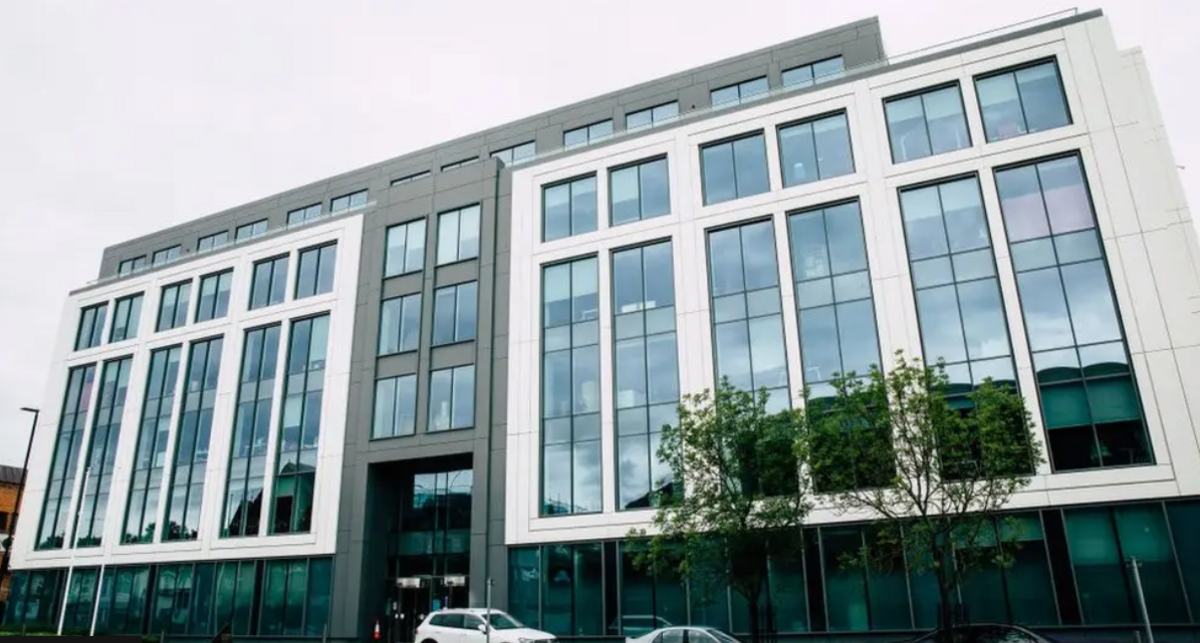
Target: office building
x=366 y=398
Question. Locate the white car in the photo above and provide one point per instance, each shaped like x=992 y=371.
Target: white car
x=466 y=626
x=684 y=634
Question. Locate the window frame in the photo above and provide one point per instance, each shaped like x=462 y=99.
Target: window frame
x=401 y=299
x=319 y=251
x=131 y=320
x=387 y=232
x=228 y=272
x=237 y=233
x=740 y=98
x=454 y=401
x=458 y=297
x=1082 y=380
x=304 y=210
x=812 y=67
x=811 y=121
x=223 y=235
x=409 y=178
x=638 y=165
x=569 y=182
x=89 y=315
x=170 y=255
x=454 y=165
x=730 y=140
x=589 y=139
x=349 y=197
x=158 y=327
x=512 y=150
x=416 y=399
x=133 y=265
x=962 y=103
x=286 y=257
x=458 y=257
x=653 y=123
x=1013 y=69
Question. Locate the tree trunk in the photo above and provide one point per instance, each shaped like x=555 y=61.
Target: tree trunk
x=755 y=627
x=945 y=614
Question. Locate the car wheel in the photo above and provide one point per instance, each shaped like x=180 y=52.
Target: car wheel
x=429 y=641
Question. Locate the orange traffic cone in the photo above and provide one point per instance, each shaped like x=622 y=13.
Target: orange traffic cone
x=377 y=635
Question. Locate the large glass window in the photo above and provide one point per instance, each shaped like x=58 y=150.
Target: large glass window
x=572 y=590
x=833 y=294
x=304 y=215
x=458 y=235
x=1185 y=524
x=569 y=208
x=646 y=366
x=731 y=95
x=212 y=241
x=400 y=324
x=150 y=456
x=77 y=402
x=395 y=407
x=571 y=478
x=130 y=266
x=234 y=596
x=186 y=490
x=930 y=122
x=734 y=169
x=34 y=601
x=1103 y=541
x=959 y=308
x=268 y=286
x=300 y=426
x=251 y=430
x=639 y=191
x=524 y=580
x=214 y=296
x=165 y=256
x=1022 y=101
x=405 y=251
x=818 y=72
x=588 y=134
x=815 y=149
x=652 y=116
x=127 y=313
x=348 y=201
x=250 y=230
x=91 y=326
x=81 y=597
x=295 y=597
x=452 y=398
x=173 y=306
x=861 y=596
x=454 y=312
x=122 y=602
x=315 y=273
x=1090 y=403
x=516 y=153
x=747 y=313
x=101 y=457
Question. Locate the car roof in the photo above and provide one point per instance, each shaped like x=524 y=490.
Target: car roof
x=469 y=610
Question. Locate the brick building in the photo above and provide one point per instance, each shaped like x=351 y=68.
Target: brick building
x=10 y=483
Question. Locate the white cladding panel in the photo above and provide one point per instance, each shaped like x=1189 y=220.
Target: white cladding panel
x=339 y=304
x=1144 y=222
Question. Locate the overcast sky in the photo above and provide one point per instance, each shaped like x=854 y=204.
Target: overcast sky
x=119 y=118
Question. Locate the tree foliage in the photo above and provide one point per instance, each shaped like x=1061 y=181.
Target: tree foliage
x=934 y=468
x=738 y=498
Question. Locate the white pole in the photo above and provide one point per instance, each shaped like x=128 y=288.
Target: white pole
x=487 y=618
x=96 y=600
x=62 y=614
x=1137 y=584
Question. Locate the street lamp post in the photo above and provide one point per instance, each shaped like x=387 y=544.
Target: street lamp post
x=20 y=494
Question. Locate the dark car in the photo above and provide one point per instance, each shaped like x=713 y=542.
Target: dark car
x=986 y=633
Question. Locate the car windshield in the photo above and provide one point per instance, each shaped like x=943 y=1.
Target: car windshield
x=502 y=621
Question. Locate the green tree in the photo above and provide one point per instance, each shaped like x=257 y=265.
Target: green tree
x=738 y=499
x=933 y=464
